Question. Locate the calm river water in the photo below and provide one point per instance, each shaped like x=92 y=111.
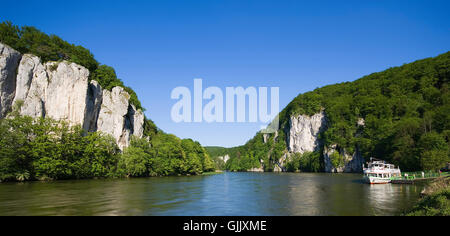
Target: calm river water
x=221 y=194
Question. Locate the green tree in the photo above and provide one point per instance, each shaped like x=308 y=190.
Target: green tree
x=136 y=161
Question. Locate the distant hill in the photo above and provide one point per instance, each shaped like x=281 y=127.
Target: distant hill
x=401 y=115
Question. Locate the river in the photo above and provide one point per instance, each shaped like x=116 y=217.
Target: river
x=221 y=194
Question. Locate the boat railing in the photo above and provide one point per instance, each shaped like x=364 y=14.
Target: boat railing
x=420 y=175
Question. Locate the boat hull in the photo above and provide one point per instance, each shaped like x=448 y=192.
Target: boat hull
x=377 y=180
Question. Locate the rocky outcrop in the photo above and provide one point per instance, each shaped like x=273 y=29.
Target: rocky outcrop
x=280 y=164
x=32 y=85
x=25 y=74
x=266 y=138
x=55 y=89
x=224 y=158
x=345 y=163
x=254 y=169
x=119 y=118
x=137 y=121
x=9 y=61
x=303 y=137
x=111 y=118
x=257 y=169
x=62 y=91
x=304 y=131
x=94 y=100
x=65 y=97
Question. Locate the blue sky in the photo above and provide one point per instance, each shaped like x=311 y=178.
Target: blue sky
x=156 y=46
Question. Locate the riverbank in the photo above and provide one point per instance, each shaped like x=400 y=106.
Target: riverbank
x=217 y=172
x=435 y=199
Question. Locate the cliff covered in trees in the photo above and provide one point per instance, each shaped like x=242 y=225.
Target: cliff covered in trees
x=401 y=115
x=60 y=110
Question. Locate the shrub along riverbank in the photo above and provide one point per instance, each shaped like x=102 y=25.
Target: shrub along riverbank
x=45 y=149
x=436 y=200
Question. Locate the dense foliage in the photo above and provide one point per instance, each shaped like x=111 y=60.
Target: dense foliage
x=47 y=149
x=216 y=156
x=306 y=162
x=437 y=204
x=41 y=149
x=406 y=111
x=164 y=155
x=436 y=201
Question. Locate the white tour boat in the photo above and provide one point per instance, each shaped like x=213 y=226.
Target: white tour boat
x=380 y=172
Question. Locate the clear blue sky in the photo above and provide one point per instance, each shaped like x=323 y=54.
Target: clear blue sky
x=295 y=45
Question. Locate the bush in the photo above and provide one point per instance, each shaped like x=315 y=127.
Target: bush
x=436 y=204
x=306 y=162
x=136 y=161
x=164 y=155
x=337 y=160
x=33 y=149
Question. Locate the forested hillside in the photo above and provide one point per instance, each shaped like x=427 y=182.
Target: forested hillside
x=43 y=148
x=406 y=113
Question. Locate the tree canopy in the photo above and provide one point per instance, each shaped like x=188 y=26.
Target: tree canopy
x=46 y=149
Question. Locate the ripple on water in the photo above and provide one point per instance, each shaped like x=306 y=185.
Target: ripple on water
x=222 y=194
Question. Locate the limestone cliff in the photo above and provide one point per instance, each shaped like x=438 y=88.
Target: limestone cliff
x=348 y=163
x=224 y=158
x=62 y=91
x=304 y=137
x=9 y=59
x=304 y=131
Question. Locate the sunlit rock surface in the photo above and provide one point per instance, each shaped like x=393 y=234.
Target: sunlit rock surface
x=62 y=91
x=9 y=61
x=304 y=131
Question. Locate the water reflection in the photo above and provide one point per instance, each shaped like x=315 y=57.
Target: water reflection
x=224 y=194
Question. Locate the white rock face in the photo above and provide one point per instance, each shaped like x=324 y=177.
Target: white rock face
x=277 y=168
x=352 y=163
x=57 y=90
x=66 y=92
x=33 y=73
x=304 y=131
x=225 y=158
x=265 y=138
x=60 y=90
x=111 y=119
x=25 y=73
x=136 y=121
x=9 y=61
x=361 y=122
x=280 y=164
x=254 y=169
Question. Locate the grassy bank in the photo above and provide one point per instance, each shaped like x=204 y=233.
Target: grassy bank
x=213 y=173
x=435 y=200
